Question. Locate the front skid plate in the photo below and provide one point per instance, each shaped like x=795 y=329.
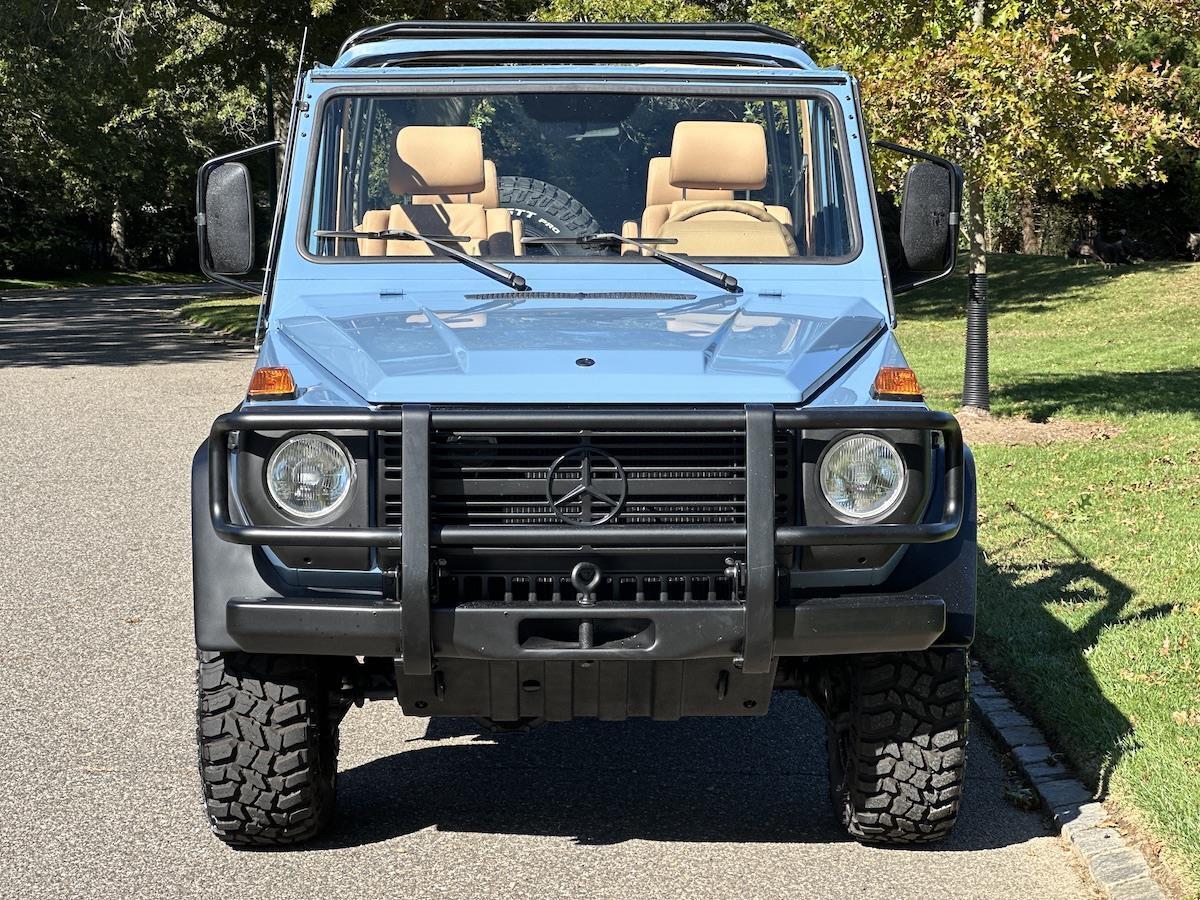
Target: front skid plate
x=610 y=690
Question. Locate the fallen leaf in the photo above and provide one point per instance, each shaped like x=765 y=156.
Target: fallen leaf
x=1022 y=798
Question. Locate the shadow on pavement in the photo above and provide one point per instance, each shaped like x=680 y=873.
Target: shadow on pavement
x=133 y=327
x=697 y=780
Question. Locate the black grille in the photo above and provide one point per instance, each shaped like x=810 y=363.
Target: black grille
x=673 y=478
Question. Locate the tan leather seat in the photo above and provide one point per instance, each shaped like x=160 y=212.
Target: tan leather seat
x=660 y=193
x=442 y=171
x=488 y=198
x=709 y=161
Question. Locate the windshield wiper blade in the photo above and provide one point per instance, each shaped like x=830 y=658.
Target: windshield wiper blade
x=439 y=243
x=609 y=239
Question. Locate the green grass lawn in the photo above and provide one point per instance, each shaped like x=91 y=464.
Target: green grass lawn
x=1090 y=549
x=235 y=316
x=98 y=279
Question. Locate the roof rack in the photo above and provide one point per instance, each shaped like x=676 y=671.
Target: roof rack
x=693 y=31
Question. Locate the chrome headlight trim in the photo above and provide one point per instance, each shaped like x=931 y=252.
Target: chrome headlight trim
x=867 y=463
x=325 y=450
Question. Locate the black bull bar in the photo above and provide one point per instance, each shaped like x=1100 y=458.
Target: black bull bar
x=760 y=535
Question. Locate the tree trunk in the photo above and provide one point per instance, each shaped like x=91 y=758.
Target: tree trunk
x=975 y=394
x=118 y=252
x=1030 y=239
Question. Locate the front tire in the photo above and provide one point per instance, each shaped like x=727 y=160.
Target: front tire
x=897 y=728
x=268 y=744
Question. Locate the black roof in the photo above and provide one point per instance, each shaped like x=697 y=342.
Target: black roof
x=693 y=31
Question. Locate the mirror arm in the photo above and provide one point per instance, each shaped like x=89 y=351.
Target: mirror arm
x=202 y=177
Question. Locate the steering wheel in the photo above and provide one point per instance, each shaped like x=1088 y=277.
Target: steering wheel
x=745 y=209
x=742 y=208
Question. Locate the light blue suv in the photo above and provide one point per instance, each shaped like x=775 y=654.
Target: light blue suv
x=578 y=395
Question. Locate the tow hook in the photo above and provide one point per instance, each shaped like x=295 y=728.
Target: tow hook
x=585 y=578
x=735 y=571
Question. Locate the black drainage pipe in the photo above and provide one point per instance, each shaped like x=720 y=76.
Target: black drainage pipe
x=975 y=374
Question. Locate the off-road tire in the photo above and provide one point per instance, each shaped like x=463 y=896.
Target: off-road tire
x=268 y=747
x=547 y=211
x=898 y=745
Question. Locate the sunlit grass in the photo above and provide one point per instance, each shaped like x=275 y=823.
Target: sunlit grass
x=97 y=279
x=235 y=316
x=1090 y=563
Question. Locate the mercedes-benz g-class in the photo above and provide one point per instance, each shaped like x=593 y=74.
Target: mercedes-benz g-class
x=578 y=395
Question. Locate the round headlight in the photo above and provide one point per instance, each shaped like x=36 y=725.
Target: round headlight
x=863 y=476
x=309 y=475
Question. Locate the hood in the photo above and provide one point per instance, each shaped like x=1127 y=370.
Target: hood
x=615 y=347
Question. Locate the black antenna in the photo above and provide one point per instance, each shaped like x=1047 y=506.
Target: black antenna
x=300 y=64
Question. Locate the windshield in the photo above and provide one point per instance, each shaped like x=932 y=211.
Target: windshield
x=715 y=178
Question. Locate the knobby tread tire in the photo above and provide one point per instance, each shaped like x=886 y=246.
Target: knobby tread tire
x=897 y=763
x=267 y=748
x=555 y=205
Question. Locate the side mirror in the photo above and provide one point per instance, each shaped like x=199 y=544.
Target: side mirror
x=925 y=238
x=229 y=209
x=226 y=211
x=921 y=236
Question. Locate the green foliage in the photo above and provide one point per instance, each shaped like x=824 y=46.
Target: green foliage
x=108 y=106
x=624 y=11
x=1032 y=96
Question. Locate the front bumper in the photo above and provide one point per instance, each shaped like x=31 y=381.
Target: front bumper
x=355 y=626
x=753 y=628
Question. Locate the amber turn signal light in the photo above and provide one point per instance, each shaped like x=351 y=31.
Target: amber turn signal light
x=896 y=383
x=272 y=383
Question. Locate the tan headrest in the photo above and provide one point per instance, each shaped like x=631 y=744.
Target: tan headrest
x=488 y=197
x=659 y=189
x=719 y=155
x=437 y=159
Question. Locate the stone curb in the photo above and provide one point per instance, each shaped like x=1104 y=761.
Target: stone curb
x=1117 y=866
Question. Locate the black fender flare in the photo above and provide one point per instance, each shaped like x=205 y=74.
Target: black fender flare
x=220 y=570
x=947 y=569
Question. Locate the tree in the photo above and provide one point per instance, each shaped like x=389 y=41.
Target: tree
x=108 y=106
x=1027 y=96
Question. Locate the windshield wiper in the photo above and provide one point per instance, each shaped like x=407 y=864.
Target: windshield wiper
x=608 y=239
x=438 y=243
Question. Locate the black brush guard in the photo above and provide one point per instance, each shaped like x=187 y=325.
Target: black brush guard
x=753 y=629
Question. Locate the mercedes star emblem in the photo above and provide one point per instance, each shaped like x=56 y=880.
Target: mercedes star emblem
x=576 y=477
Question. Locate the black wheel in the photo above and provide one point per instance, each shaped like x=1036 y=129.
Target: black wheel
x=898 y=744
x=268 y=747
x=547 y=211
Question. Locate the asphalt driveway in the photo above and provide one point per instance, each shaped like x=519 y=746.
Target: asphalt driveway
x=105 y=398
